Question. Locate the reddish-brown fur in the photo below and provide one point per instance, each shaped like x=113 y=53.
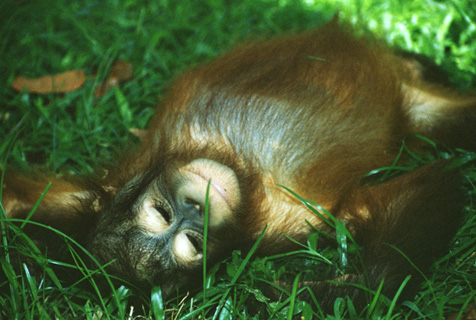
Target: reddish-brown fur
x=313 y=112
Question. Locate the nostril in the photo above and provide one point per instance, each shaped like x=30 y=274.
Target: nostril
x=188 y=246
x=192 y=206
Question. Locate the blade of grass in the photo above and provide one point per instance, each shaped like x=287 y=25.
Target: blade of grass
x=205 y=237
x=293 y=297
x=157 y=303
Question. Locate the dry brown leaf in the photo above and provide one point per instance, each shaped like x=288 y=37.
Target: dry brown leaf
x=73 y=80
x=120 y=71
x=59 y=83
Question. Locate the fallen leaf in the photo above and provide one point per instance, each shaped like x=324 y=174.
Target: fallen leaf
x=59 y=83
x=120 y=71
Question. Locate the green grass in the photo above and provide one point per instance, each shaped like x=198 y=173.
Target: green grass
x=73 y=132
